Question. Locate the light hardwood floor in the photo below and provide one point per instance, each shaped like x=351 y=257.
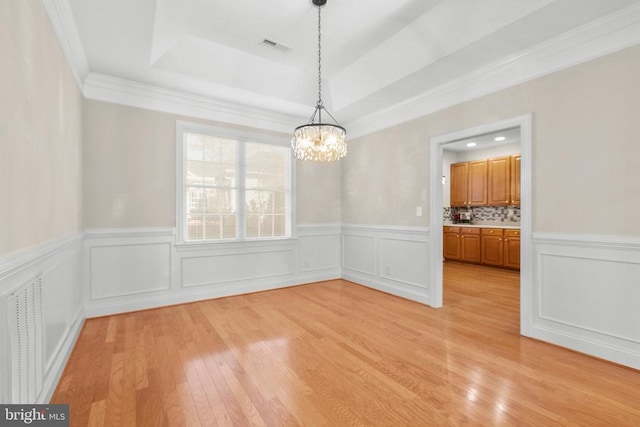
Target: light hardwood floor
x=335 y=353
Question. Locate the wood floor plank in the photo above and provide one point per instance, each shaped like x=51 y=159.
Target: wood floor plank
x=336 y=353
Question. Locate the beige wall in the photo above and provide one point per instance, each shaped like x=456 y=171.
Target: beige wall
x=40 y=131
x=586 y=151
x=129 y=171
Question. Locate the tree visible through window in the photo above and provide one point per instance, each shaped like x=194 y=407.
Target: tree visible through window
x=234 y=188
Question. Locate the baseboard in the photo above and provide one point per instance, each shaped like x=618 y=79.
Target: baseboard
x=417 y=294
x=613 y=353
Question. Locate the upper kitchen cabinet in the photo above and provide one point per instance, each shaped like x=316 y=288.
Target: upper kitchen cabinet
x=459 y=173
x=500 y=181
x=490 y=182
x=515 y=179
x=469 y=184
x=477 y=183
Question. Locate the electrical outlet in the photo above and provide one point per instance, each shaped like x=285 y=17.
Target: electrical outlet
x=418 y=210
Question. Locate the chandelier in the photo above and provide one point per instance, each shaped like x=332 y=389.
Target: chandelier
x=325 y=142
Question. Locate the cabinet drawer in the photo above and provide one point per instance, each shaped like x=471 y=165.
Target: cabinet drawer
x=512 y=233
x=470 y=230
x=448 y=229
x=492 y=231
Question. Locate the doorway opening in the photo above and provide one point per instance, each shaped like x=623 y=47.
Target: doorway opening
x=519 y=128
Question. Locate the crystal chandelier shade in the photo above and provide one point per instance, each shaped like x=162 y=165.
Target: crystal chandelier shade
x=318 y=141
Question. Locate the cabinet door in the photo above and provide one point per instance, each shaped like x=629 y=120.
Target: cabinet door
x=515 y=180
x=477 y=191
x=499 y=180
x=451 y=246
x=492 y=247
x=459 y=172
x=512 y=248
x=470 y=248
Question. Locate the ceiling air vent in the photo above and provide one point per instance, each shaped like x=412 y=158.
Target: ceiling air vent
x=276 y=45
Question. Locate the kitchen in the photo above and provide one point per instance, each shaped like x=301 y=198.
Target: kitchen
x=481 y=200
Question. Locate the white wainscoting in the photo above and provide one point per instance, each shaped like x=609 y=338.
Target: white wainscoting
x=387 y=258
x=57 y=265
x=134 y=269
x=586 y=291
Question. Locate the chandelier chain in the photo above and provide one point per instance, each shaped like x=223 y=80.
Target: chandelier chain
x=319 y=58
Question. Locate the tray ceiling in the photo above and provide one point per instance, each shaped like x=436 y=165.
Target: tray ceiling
x=376 y=54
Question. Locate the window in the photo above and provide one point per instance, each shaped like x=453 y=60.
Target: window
x=232 y=186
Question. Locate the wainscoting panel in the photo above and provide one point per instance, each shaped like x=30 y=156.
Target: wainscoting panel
x=585 y=294
x=235 y=267
x=129 y=268
x=359 y=252
x=134 y=269
x=404 y=261
x=37 y=334
x=391 y=259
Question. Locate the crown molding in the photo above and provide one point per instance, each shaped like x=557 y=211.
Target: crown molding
x=66 y=31
x=101 y=87
x=600 y=37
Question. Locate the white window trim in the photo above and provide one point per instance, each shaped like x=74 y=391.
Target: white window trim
x=241 y=135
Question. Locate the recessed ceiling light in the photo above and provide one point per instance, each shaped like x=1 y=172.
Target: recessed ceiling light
x=500 y=138
x=471 y=144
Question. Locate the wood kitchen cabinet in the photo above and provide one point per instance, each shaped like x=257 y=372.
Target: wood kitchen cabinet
x=459 y=175
x=496 y=247
x=451 y=243
x=491 y=182
x=515 y=179
x=492 y=248
x=499 y=169
x=477 y=183
x=461 y=244
x=470 y=244
x=512 y=248
x=469 y=184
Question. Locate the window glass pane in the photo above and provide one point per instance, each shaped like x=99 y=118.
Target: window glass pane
x=195 y=173
x=229 y=226
x=195 y=227
x=253 y=226
x=279 y=203
x=266 y=166
x=195 y=200
x=212 y=227
x=195 y=146
x=279 y=226
x=220 y=201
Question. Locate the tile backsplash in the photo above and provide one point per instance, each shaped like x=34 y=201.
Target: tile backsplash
x=507 y=214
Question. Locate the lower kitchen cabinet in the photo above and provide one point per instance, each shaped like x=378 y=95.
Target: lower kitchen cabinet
x=512 y=248
x=496 y=247
x=461 y=244
x=470 y=244
x=492 y=246
x=451 y=241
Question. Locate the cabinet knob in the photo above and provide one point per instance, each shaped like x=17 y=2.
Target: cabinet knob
x=500 y=239
x=506 y=240
x=462 y=237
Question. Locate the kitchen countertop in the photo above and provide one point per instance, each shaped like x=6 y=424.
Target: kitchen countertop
x=486 y=225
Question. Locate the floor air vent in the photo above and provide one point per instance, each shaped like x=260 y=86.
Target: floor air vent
x=26 y=340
